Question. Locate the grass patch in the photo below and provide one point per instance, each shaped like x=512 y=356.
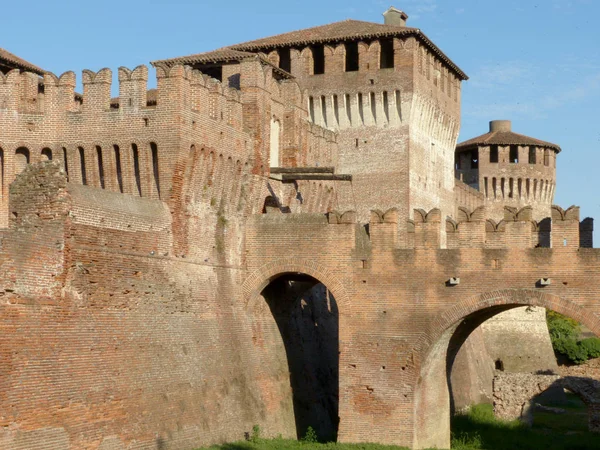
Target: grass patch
x=476 y=430
x=480 y=430
x=286 y=444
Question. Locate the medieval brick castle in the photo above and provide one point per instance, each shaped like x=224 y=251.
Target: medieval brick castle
x=282 y=233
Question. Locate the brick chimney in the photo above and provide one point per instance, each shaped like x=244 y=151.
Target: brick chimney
x=395 y=17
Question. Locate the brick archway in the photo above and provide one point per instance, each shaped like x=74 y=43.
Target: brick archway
x=262 y=276
x=449 y=329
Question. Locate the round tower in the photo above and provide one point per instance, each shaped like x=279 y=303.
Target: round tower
x=510 y=169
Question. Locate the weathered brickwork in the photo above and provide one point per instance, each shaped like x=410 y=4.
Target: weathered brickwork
x=165 y=286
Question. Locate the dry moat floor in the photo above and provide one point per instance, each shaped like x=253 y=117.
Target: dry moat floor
x=478 y=429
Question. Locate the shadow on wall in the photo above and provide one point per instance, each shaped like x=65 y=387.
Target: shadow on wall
x=307 y=317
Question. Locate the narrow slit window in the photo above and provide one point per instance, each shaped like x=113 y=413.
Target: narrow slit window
x=386 y=55
x=494 y=186
x=318 y=53
x=136 y=169
x=348 y=108
x=66 y=162
x=360 y=109
x=532 y=158
x=546 y=157
x=324 y=109
x=494 y=154
x=336 y=109
x=100 y=166
x=285 y=59
x=386 y=106
x=373 y=106
x=82 y=165
x=351 y=56
x=511 y=185
x=1 y=173
x=119 y=170
x=398 y=105
x=485 y=186
x=514 y=154
x=155 y=172
x=311 y=109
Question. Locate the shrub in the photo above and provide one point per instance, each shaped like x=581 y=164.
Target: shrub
x=310 y=436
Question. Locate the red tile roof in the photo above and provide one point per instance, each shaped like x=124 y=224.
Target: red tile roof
x=222 y=55
x=504 y=138
x=12 y=60
x=331 y=33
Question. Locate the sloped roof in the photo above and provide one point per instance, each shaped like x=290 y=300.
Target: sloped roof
x=505 y=138
x=10 y=59
x=221 y=55
x=333 y=32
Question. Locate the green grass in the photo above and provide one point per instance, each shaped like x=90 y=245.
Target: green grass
x=476 y=430
x=285 y=444
x=480 y=430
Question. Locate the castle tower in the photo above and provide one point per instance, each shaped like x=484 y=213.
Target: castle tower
x=510 y=169
x=389 y=92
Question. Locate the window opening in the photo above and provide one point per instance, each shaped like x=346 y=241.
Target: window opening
x=65 y=162
x=348 y=108
x=360 y=109
x=386 y=55
x=155 y=172
x=514 y=154
x=474 y=159
x=47 y=154
x=100 y=166
x=386 y=106
x=336 y=109
x=318 y=53
x=373 y=106
x=351 y=56
x=136 y=168
x=494 y=154
x=311 y=109
x=82 y=165
x=118 y=164
x=285 y=59
x=324 y=109
x=398 y=105
x=532 y=158
x=546 y=157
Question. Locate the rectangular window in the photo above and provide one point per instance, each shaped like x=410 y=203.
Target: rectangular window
x=514 y=154
x=493 y=153
x=351 y=56
x=546 y=157
x=285 y=59
x=318 y=53
x=474 y=159
x=386 y=55
x=532 y=158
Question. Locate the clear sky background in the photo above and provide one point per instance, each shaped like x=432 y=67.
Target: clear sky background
x=535 y=62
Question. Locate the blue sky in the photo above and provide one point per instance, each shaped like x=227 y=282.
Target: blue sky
x=535 y=62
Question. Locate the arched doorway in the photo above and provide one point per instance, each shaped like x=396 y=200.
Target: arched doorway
x=433 y=399
x=295 y=326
